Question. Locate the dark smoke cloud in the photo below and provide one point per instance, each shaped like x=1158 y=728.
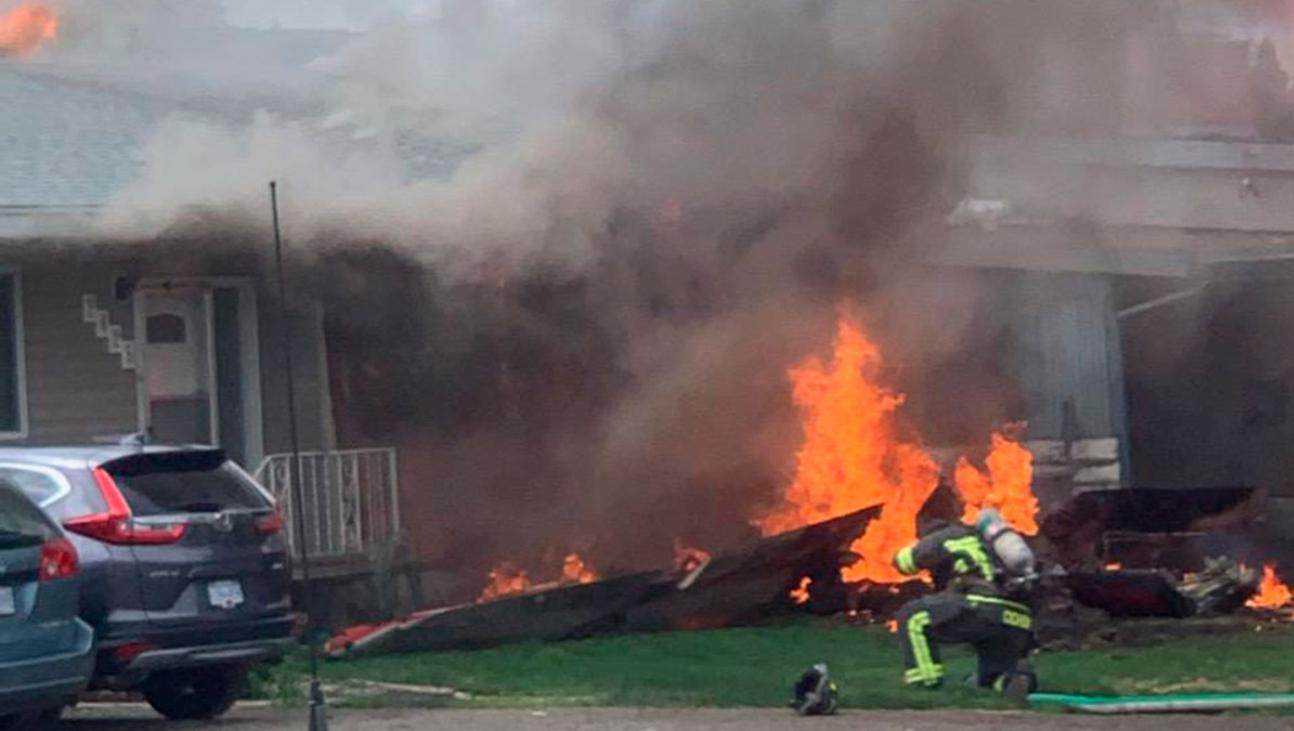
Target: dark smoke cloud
x=577 y=329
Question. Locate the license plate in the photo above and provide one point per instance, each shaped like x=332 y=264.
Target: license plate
x=225 y=594
x=6 y=601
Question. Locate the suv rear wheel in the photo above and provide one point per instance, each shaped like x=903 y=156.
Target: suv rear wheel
x=195 y=694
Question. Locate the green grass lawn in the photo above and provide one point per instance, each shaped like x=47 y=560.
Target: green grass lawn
x=756 y=667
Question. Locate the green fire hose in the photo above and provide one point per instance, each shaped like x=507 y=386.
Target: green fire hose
x=1170 y=703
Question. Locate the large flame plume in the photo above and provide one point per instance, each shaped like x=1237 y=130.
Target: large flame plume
x=26 y=28
x=853 y=457
x=1272 y=593
x=857 y=455
x=1006 y=486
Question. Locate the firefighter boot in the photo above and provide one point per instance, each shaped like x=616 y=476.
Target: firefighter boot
x=1018 y=682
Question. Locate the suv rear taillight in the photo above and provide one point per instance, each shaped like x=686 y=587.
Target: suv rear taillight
x=270 y=524
x=57 y=560
x=116 y=525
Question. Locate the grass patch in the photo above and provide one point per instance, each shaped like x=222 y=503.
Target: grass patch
x=756 y=667
x=1246 y=662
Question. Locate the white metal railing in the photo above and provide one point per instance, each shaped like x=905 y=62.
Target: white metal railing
x=351 y=499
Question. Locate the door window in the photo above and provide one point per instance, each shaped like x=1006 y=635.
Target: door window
x=167 y=329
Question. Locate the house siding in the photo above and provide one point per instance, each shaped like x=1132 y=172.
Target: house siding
x=76 y=390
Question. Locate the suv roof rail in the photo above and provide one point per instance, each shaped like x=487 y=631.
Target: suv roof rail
x=138 y=439
x=146 y=439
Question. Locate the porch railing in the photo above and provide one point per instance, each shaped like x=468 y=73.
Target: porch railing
x=351 y=500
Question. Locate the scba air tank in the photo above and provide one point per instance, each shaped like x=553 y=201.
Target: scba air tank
x=1011 y=550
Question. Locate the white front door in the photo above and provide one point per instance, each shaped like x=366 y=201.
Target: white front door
x=179 y=367
x=198 y=354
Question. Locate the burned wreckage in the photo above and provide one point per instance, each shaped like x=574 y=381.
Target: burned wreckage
x=1107 y=554
x=707 y=592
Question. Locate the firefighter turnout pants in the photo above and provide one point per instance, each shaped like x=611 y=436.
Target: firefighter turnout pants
x=1001 y=632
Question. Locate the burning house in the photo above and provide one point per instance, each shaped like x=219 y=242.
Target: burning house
x=1102 y=240
x=623 y=290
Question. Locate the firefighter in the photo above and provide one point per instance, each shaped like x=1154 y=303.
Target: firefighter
x=984 y=578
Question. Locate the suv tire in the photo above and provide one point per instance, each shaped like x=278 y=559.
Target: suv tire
x=196 y=694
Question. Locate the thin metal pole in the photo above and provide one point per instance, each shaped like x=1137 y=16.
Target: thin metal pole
x=1157 y=302
x=318 y=705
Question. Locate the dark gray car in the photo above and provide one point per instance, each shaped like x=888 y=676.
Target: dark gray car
x=184 y=566
x=46 y=651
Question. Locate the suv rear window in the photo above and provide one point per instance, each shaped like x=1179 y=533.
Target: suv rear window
x=36 y=483
x=21 y=522
x=184 y=482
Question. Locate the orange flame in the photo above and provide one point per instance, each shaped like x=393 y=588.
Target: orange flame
x=1272 y=593
x=688 y=559
x=25 y=28
x=575 y=571
x=1114 y=566
x=508 y=578
x=852 y=456
x=505 y=579
x=1007 y=486
x=800 y=594
x=892 y=626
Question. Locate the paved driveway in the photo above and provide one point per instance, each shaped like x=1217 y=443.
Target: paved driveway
x=129 y=718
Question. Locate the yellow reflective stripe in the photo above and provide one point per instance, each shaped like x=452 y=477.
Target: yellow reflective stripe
x=972 y=549
x=905 y=560
x=927 y=669
x=981 y=599
x=924 y=677
x=1019 y=620
x=916 y=635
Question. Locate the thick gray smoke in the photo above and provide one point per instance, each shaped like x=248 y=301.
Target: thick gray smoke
x=513 y=103
x=571 y=247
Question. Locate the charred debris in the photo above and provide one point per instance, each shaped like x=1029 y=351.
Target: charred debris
x=1113 y=555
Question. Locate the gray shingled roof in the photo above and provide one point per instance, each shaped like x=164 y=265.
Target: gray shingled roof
x=66 y=143
x=72 y=129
